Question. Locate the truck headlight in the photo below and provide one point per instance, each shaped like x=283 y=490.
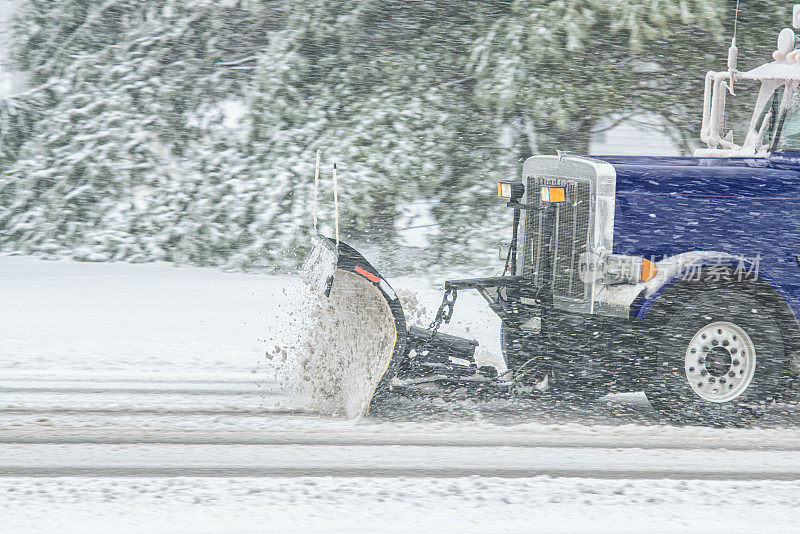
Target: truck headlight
x=510 y=190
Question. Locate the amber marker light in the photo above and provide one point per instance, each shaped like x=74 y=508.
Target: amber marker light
x=503 y=190
x=553 y=194
x=649 y=270
x=510 y=190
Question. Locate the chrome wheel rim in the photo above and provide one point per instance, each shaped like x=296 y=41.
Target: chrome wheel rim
x=720 y=362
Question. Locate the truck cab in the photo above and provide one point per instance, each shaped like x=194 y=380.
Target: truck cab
x=775 y=122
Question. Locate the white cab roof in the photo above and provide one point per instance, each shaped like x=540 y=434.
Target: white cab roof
x=777 y=70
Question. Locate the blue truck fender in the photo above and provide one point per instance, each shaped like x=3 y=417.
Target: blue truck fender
x=679 y=266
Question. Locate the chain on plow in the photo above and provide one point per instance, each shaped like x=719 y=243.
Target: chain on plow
x=443 y=315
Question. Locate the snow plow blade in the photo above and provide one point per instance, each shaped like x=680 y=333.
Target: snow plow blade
x=368 y=331
x=364 y=332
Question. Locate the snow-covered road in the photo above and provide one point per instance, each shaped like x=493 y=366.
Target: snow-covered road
x=151 y=398
x=225 y=459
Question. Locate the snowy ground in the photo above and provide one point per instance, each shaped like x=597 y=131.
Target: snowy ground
x=151 y=398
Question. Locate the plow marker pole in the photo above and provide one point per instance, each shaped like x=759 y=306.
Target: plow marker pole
x=336 y=204
x=316 y=189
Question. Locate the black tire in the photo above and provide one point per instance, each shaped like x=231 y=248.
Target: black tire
x=715 y=389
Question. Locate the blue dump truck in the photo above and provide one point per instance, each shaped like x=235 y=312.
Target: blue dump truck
x=676 y=276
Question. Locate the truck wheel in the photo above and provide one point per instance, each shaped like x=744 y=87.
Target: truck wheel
x=720 y=355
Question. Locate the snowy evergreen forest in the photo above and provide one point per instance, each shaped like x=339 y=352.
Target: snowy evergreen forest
x=186 y=130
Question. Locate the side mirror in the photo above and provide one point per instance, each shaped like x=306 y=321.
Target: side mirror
x=505 y=246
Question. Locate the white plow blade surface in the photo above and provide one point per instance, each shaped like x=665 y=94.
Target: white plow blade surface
x=349 y=348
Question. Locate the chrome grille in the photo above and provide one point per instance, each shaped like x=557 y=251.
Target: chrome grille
x=556 y=236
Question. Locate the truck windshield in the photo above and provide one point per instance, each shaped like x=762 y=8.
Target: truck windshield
x=770 y=113
x=788 y=132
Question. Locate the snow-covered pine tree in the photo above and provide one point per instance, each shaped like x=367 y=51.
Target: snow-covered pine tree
x=381 y=88
x=557 y=68
x=19 y=114
x=93 y=178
